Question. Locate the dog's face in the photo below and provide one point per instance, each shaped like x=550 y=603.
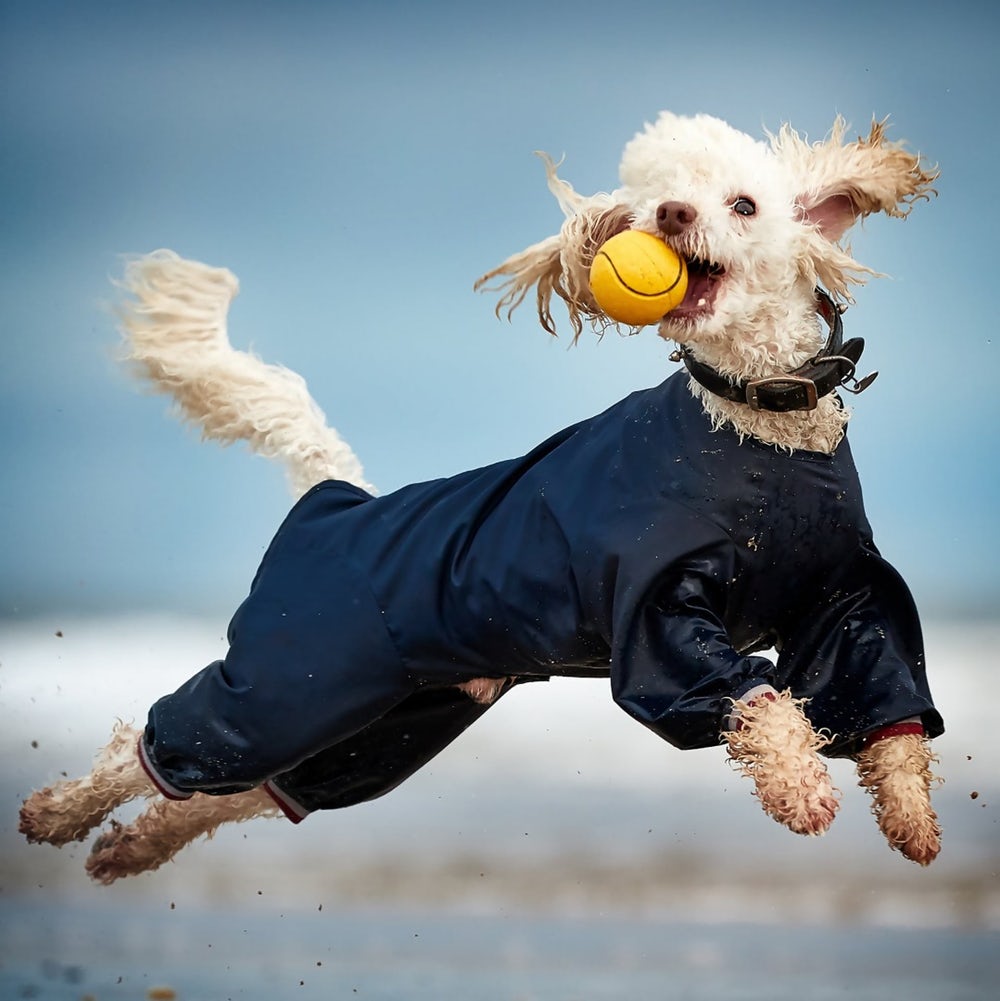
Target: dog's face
x=758 y=222
x=727 y=204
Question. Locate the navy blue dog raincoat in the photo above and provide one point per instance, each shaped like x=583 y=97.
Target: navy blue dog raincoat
x=639 y=544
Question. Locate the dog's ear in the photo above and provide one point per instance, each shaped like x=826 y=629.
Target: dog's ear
x=538 y=265
x=840 y=183
x=560 y=264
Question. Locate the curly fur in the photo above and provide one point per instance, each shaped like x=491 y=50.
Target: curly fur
x=166 y=827
x=174 y=334
x=761 y=319
x=774 y=744
x=897 y=774
x=68 y=811
x=758 y=319
x=560 y=265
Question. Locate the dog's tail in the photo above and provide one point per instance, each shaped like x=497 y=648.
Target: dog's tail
x=173 y=324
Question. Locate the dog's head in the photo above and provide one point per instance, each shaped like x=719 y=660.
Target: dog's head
x=758 y=222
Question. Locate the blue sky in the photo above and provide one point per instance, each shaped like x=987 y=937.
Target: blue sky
x=359 y=166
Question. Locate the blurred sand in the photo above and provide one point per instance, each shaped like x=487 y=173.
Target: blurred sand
x=556 y=802
x=257 y=952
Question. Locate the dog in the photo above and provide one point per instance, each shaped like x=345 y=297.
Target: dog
x=664 y=544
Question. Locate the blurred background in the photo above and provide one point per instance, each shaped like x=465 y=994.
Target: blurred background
x=358 y=166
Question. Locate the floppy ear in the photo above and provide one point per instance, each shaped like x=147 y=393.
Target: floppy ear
x=839 y=183
x=560 y=264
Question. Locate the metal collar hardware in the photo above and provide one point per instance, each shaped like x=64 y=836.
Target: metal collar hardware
x=801 y=389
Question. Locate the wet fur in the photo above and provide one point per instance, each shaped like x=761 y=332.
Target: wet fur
x=762 y=322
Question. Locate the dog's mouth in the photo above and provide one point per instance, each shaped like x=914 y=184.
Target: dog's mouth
x=704 y=281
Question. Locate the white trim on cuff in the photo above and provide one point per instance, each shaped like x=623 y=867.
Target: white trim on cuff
x=294 y=811
x=732 y=719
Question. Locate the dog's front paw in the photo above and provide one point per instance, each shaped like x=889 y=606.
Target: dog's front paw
x=896 y=771
x=774 y=743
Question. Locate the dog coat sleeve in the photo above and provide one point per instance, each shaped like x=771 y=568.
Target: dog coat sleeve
x=676 y=669
x=859 y=656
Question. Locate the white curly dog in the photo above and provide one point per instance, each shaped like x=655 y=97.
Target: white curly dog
x=759 y=224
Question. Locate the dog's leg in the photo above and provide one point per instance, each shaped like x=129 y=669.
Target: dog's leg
x=165 y=827
x=896 y=771
x=174 y=331
x=485 y=691
x=68 y=811
x=774 y=744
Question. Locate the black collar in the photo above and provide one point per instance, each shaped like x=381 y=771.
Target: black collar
x=800 y=389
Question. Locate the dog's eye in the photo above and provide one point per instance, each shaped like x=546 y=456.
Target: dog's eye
x=744 y=206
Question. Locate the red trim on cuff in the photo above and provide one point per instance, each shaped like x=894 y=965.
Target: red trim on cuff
x=295 y=812
x=895 y=730
x=166 y=790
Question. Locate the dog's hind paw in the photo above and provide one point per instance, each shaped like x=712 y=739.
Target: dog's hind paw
x=119 y=851
x=69 y=811
x=48 y=817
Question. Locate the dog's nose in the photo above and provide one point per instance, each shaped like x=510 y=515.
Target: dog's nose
x=672 y=218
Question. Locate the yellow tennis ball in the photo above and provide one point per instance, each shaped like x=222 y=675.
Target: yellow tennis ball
x=636 y=278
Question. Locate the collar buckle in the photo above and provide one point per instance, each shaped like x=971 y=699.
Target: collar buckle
x=800 y=389
x=785 y=392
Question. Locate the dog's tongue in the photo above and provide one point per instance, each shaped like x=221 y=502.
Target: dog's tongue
x=703 y=283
